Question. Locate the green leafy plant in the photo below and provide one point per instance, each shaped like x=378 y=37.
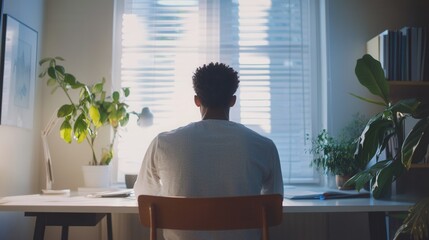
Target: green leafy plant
x=416 y=222
x=336 y=155
x=387 y=127
x=83 y=118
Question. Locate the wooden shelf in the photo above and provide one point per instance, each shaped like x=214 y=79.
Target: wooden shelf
x=414 y=181
x=420 y=165
x=409 y=89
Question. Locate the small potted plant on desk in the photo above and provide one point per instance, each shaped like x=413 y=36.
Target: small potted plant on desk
x=336 y=155
x=82 y=118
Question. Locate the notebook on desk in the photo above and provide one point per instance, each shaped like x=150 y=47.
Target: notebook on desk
x=113 y=194
x=295 y=194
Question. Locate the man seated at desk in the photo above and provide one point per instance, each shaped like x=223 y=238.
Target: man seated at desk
x=212 y=157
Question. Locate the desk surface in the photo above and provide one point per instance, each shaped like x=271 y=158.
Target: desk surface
x=82 y=204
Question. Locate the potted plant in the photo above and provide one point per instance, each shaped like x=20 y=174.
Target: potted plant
x=385 y=127
x=336 y=155
x=83 y=117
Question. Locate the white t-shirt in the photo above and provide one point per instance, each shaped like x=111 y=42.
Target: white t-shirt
x=210 y=158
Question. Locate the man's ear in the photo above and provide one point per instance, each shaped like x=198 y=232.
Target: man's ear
x=232 y=101
x=197 y=101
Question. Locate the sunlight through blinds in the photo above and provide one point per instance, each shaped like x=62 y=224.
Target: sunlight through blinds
x=267 y=41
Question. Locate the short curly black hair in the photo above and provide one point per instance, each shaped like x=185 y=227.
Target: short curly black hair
x=215 y=84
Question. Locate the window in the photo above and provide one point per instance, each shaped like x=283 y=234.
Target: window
x=271 y=43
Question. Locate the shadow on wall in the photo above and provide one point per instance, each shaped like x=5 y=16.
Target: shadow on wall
x=12 y=225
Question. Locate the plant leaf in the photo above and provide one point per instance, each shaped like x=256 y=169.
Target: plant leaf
x=369 y=141
x=51 y=82
x=94 y=114
x=106 y=156
x=360 y=179
x=42 y=74
x=52 y=73
x=103 y=113
x=103 y=96
x=43 y=60
x=113 y=116
x=405 y=106
x=65 y=110
x=422 y=111
x=97 y=88
x=371 y=75
x=115 y=96
x=385 y=176
x=66 y=131
x=415 y=144
x=126 y=91
x=368 y=100
x=60 y=69
x=80 y=128
x=124 y=120
x=70 y=80
x=416 y=221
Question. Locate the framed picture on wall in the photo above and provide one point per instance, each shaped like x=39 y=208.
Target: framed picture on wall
x=1 y=10
x=17 y=73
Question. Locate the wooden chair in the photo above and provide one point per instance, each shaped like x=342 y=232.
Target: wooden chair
x=218 y=213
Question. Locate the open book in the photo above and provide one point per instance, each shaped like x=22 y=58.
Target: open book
x=322 y=195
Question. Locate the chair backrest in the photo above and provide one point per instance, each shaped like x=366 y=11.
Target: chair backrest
x=213 y=213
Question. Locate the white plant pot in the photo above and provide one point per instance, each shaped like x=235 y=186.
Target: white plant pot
x=96 y=176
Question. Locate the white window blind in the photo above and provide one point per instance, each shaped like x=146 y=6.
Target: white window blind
x=269 y=42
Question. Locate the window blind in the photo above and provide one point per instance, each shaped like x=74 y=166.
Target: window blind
x=269 y=42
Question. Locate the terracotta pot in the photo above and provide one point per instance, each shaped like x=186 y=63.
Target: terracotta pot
x=340 y=180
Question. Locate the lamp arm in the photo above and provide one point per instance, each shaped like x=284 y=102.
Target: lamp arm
x=48 y=163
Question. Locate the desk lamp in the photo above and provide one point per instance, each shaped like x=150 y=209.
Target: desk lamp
x=145 y=117
x=48 y=163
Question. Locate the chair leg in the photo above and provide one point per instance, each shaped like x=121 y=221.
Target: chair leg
x=65 y=232
x=265 y=233
x=152 y=223
x=109 y=226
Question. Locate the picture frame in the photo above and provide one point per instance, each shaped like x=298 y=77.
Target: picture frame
x=1 y=11
x=17 y=73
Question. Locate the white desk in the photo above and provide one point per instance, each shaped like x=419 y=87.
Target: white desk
x=42 y=204
x=65 y=211
x=345 y=205
x=78 y=203
x=69 y=204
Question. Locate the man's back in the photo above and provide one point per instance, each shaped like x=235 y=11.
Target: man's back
x=210 y=158
x=216 y=158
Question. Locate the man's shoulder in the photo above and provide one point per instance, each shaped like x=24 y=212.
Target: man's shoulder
x=196 y=128
x=249 y=129
x=177 y=131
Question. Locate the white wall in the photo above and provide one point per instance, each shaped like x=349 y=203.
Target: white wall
x=20 y=159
